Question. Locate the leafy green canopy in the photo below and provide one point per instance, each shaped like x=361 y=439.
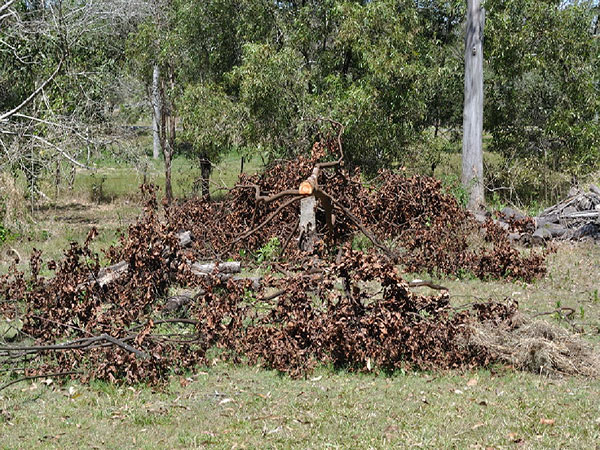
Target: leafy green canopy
x=543 y=82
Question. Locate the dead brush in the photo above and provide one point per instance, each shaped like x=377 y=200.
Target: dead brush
x=537 y=346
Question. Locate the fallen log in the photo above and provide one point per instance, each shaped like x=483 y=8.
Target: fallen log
x=111 y=273
x=230 y=276
x=595 y=189
x=590 y=214
x=177 y=302
x=430 y=284
x=209 y=268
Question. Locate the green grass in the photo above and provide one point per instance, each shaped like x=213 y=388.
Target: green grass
x=225 y=406
x=122 y=182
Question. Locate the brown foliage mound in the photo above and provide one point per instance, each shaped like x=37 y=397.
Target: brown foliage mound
x=309 y=321
x=351 y=309
x=426 y=227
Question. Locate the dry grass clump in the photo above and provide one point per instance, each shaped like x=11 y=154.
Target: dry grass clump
x=13 y=210
x=538 y=346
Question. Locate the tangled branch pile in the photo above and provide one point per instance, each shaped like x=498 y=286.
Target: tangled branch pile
x=426 y=228
x=348 y=308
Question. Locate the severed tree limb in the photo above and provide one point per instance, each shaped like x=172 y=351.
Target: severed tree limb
x=273 y=295
x=263 y=198
x=428 y=283
x=312 y=179
x=209 y=268
x=78 y=345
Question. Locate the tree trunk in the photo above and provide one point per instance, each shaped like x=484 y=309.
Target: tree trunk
x=156 y=111
x=168 y=139
x=205 y=169
x=168 y=185
x=472 y=157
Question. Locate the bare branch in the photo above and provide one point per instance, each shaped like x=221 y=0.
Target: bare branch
x=55 y=124
x=6 y=5
x=17 y=108
x=59 y=150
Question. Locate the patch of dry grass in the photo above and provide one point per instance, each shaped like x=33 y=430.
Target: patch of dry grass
x=539 y=347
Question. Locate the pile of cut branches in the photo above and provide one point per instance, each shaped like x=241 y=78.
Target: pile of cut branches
x=330 y=304
x=410 y=218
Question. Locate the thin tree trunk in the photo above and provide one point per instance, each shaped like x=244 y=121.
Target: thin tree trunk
x=156 y=111
x=57 y=177
x=72 y=174
x=170 y=142
x=168 y=155
x=472 y=157
x=168 y=185
x=205 y=169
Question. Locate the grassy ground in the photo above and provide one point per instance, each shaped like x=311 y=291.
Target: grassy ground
x=225 y=406
x=243 y=407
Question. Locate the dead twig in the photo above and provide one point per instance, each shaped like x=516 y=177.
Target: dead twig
x=267 y=220
x=35 y=377
x=78 y=345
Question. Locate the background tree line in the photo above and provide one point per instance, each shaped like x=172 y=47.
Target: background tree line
x=248 y=75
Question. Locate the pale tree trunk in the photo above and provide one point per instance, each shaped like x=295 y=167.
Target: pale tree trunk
x=308 y=223
x=169 y=141
x=205 y=169
x=156 y=111
x=472 y=156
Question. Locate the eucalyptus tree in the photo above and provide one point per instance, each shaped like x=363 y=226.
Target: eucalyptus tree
x=472 y=150
x=543 y=96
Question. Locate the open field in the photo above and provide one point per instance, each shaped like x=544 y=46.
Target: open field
x=226 y=406
x=244 y=407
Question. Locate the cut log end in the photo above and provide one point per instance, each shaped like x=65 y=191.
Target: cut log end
x=306 y=188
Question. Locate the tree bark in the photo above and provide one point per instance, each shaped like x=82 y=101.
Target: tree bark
x=156 y=111
x=168 y=185
x=472 y=157
x=209 y=268
x=205 y=169
x=168 y=141
x=308 y=223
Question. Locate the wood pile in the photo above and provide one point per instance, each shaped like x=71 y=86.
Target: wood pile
x=576 y=218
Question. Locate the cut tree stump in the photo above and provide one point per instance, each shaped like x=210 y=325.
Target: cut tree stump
x=308 y=223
